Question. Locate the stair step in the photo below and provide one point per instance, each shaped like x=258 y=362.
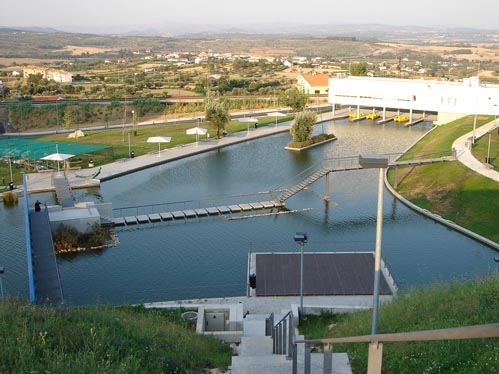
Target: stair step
x=254 y=327
x=263 y=364
x=255 y=346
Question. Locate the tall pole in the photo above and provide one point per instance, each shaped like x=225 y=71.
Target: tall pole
x=377 y=256
x=488 y=149
x=57 y=117
x=129 y=146
x=10 y=169
x=301 y=278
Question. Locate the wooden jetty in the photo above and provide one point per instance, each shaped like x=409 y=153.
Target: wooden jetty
x=182 y=215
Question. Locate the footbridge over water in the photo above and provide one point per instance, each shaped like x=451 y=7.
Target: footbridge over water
x=231 y=207
x=312 y=174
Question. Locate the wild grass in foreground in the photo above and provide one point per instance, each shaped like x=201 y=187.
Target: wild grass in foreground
x=101 y=339
x=434 y=307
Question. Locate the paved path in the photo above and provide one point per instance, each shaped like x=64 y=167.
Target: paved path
x=462 y=146
x=38 y=182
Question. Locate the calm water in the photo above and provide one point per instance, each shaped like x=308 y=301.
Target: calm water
x=208 y=257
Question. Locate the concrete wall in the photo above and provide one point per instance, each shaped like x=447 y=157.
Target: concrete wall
x=82 y=219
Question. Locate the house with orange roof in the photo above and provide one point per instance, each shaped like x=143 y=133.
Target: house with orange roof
x=313 y=84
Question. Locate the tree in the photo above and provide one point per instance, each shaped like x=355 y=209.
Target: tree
x=66 y=119
x=217 y=114
x=302 y=128
x=359 y=69
x=294 y=98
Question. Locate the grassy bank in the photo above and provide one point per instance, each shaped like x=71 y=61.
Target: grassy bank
x=433 y=307
x=102 y=339
x=450 y=189
x=118 y=140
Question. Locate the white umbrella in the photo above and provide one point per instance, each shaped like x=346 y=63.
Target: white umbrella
x=57 y=157
x=276 y=114
x=248 y=120
x=159 y=140
x=196 y=131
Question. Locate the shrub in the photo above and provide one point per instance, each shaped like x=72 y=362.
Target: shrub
x=10 y=198
x=303 y=126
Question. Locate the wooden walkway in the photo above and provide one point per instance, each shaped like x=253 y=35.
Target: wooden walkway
x=351 y=163
x=181 y=215
x=48 y=287
x=63 y=192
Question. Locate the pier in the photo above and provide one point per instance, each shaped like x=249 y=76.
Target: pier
x=182 y=215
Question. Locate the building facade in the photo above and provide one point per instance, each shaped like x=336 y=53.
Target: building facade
x=450 y=100
x=56 y=75
x=313 y=84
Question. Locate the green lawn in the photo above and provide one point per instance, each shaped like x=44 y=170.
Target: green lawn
x=450 y=189
x=103 y=339
x=118 y=140
x=433 y=307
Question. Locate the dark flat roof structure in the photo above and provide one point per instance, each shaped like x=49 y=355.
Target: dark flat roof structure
x=344 y=273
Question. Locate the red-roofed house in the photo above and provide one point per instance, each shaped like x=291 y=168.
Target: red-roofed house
x=313 y=84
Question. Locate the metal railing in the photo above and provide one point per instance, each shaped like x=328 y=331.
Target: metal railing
x=376 y=348
x=283 y=336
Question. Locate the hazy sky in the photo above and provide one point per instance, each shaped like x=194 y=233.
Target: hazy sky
x=126 y=13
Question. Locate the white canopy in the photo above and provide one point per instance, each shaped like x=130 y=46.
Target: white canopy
x=159 y=140
x=57 y=157
x=276 y=114
x=248 y=119
x=196 y=131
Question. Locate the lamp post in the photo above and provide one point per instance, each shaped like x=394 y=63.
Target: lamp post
x=10 y=169
x=301 y=239
x=376 y=162
x=2 y=270
x=487 y=160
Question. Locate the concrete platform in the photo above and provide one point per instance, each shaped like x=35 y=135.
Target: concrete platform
x=189 y=213
x=131 y=220
x=223 y=209
x=201 y=212
x=154 y=217
x=213 y=211
x=178 y=215
x=143 y=218
x=166 y=216
x=119 y=221
x=235 y=208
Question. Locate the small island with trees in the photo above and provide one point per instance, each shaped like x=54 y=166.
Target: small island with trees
x=304 y=122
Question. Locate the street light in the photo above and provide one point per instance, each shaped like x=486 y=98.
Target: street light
x=2 y=270
x=376 y=162
x=487 y=160
x=301 y=239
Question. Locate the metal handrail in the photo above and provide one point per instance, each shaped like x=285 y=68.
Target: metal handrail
x=468 y=332
x=284 y=337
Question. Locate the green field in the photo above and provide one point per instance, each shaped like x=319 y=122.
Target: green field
x=101 y=339
x=450 y=189
x=435 y=307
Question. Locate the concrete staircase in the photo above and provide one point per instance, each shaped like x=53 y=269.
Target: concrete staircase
x=255 y=353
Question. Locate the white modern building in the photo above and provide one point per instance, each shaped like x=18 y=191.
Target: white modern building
x=450 y=100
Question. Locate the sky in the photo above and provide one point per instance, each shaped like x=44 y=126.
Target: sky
x=127 y=14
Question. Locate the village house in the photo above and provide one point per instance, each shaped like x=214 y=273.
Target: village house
x=56 y=75
x=313 y=84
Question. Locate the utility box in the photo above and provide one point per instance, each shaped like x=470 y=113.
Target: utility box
x=214 y=321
